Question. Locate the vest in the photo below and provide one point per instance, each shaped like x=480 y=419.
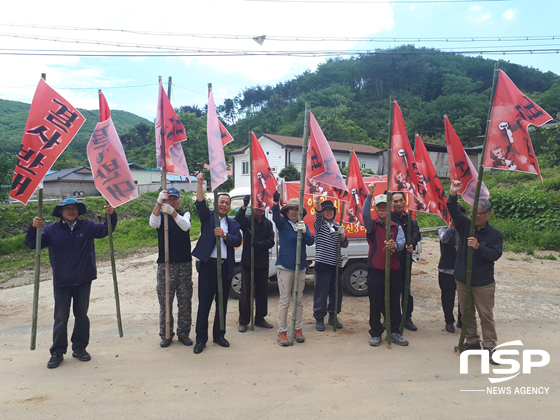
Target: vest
x=179 y=242
x=376 y=239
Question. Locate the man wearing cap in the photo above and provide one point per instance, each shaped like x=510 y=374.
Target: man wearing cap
x=180 y=265
x=263 y=240
x=327 y=232
x=72 y=256
x=376 y=236
x=487 y=248
x=287 y=224
x=206 y=251
x=400 y=217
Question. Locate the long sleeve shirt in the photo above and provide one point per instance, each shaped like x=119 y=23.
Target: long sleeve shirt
x=288 y=241
x=326 y=243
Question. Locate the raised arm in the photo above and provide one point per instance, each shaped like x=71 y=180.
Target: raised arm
x=366 y=209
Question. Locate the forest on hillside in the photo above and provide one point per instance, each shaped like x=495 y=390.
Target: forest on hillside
x=350 y=100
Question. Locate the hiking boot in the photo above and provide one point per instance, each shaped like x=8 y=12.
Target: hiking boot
x=186 y=341
x=55 y=360
x=398 y=339
x=331 y=321
x=375 y=341
x=81 y=354
x=409 y=325
x=299 y=336
x=320 y=326
x=283 y=339
x=490 y=352
x=165 y=342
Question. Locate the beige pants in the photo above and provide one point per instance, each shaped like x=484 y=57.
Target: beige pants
x=482 y=301
x=286 y=290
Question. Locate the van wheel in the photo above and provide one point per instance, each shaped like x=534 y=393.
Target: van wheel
x=354 y=279
x=235 y=290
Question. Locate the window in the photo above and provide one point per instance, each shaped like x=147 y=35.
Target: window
x=245 y=168
x=341 y=163
x=363 y=165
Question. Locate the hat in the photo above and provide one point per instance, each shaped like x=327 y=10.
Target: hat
x=66 y=201
x=292 y=202
x=328 y=204
x=381 y=198
x=173 y=191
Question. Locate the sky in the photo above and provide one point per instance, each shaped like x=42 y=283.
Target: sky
x=222 y=27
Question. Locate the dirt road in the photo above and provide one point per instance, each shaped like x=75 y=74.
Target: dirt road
x=331 y=375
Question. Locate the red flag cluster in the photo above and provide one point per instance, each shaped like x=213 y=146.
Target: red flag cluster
x=264 y=181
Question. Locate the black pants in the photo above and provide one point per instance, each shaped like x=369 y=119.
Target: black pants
x=208 y=292
x=324 y=293
x=410 y=305
x=78 y=298
x=260 y=295
x=376 y=292
x=448 y=286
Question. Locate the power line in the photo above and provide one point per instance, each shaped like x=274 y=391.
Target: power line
x=377 y=1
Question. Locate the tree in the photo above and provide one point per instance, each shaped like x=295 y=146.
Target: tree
x=290 y=173
x=7 y=165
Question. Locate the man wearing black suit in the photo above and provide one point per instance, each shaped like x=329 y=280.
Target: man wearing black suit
x=206 y=252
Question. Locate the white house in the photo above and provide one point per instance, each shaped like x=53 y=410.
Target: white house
x=283 y=150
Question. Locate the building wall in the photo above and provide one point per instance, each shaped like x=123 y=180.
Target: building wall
x=64 y=189
x=276 y=159
x=145 y=177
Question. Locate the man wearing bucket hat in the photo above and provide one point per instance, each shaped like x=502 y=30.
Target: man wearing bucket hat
x=72 y=256
x=263 y=240
x=327 y=232
x=180 y=265
x=376 y=236
x=286 y=221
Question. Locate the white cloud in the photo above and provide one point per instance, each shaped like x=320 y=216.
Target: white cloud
x=509 y=14
x=475 y=14
x=474 y=8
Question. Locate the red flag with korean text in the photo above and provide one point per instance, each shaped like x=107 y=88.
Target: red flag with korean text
x=226 y=137
x=322 y=169
x=438 y=202
x=264 y=181
x=358 y=192
x=173 y=134
x=460 y=166
x=217 y=159
x=107 y=160
x=51 y=125
x=508 y=145
x=404 y=175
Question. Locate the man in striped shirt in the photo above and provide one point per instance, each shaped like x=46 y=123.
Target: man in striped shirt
x=327 y=232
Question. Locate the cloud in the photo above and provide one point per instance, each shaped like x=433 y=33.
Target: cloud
x=509 y=14
x=476 y=15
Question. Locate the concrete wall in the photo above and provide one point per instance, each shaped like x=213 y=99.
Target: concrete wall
x=186 y=186
x=64 y=189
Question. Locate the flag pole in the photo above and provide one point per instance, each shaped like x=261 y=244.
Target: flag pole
x=336 y=270
x=39 y=231
x=165 y=219
x=252 y=236
x=465 y=312
x=218 y=253
x=113 y=264
x=300 y=218
x=388 y=232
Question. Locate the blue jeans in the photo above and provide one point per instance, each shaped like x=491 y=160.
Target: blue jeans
x=63 y=297
x=325 y=289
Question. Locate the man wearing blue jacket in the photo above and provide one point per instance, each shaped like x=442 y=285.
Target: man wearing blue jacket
x=206 y=251
x=72 y=256
x=286 y=221
x=487 y=248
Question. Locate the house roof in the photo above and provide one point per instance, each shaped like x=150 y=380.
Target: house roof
x=77 y=174
x=297 y=142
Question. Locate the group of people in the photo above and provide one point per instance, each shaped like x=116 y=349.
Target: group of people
x=72 y=256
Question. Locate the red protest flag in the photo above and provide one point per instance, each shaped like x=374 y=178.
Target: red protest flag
x=437 y=203
x=108 y=163
x=104 y=111
x=358 y=192
x=264 y=181
x=404 y=175
x=322 y=169
x=173 y=134
x=460 y=166
x=226 y=137
x=51 y=125
x=508 y=145
x=217 y=159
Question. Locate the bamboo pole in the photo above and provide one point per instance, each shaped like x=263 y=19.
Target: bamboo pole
x=38 y=232
x=408 y=268
x=218 y=254
x=336 y=271
x=252 y=237
x=388 y=233
x=300 y=218
x=113 y=264
x=465 y=313
x=165 y=221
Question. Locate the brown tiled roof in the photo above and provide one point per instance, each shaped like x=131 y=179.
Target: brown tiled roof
x=296 y=142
